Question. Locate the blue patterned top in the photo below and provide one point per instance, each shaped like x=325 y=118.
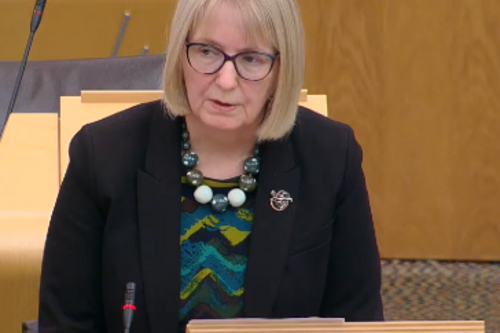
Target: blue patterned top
x=214 y=250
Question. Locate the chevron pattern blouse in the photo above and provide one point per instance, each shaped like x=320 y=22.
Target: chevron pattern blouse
x=214 y=248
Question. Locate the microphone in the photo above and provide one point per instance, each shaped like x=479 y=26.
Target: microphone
x=37 y=15
x=129 y=306
x=36 y=18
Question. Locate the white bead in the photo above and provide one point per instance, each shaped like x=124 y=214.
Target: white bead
x=203 y=194
x=236 y=197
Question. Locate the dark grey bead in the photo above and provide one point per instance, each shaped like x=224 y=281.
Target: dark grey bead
x=189 y=160
x=185 y=135
x=220 y=203
x=252 y=165
x=256 y=151
x=185 y=145
x=248 y=183
x=194 y=177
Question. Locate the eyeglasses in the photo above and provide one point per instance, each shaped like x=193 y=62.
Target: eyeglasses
x=251 y=66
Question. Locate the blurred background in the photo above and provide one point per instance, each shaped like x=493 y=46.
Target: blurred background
x=418 y=80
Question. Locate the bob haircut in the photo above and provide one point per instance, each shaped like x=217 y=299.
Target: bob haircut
x=276 y=22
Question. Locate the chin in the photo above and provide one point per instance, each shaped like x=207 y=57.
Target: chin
x=223 y=121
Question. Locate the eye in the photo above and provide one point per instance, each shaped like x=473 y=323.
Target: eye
x=254 y=59
x=250 y=58
x=206 y=51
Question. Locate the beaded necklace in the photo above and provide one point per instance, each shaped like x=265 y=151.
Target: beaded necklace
x=203 y=193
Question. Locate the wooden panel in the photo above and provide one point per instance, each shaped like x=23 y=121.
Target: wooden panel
x=442 y=153
x=420 y=83
x=21 y=248
x=84 y=29
x=29 y=167
x=29 y=173
x=474 y=129
x=414 y=210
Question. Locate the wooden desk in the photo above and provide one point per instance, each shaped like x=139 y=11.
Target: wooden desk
x=22 y=240
x=29 y=169
x=29 y=173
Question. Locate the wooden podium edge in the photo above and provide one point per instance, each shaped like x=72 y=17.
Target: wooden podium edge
x=136 y=96
x=120 y=96
x=457 y=326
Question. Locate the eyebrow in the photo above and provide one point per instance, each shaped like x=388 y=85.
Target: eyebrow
x=219 y=46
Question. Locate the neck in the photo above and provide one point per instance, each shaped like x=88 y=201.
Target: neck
x=221 y=153
x=205 y=140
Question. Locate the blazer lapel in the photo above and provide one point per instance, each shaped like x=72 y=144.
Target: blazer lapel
x=159 y=214
x=272 y=230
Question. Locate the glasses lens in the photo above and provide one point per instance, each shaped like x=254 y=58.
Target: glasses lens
x=205 y=59
x=253 y=66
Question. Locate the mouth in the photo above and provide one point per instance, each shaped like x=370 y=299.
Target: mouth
x=222 y=106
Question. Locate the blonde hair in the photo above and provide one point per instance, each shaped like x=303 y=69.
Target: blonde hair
x=277 y=22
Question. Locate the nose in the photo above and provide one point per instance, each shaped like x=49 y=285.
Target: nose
x=227 y=77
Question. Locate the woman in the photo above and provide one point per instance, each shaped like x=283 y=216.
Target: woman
x=223 y=200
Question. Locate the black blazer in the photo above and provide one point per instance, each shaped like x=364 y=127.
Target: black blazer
x=117 y=220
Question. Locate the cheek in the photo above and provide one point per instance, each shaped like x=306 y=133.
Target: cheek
x=269 y=84
x=196 y=85
x=262 y=93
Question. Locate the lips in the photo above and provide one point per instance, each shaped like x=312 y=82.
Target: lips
x=222 y=103
x=222 y=106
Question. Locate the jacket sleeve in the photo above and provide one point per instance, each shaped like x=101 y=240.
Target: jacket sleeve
x=70 y=287
x=354 y=272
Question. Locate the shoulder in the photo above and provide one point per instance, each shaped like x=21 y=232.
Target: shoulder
x=135 y=119
x=128 y=128
x=115 y=146
x=104 y=155
x=327 y=151
x=315 y=133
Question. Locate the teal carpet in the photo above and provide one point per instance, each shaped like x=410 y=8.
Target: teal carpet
x=431 y=290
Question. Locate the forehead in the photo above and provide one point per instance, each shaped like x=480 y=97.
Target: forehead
x=229 y=24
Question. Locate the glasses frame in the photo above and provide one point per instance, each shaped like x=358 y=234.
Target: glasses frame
x=231 y=58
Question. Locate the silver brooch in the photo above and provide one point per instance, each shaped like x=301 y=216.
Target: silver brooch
x=280 y=200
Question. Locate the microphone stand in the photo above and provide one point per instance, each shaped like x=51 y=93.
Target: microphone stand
x=35 y=22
